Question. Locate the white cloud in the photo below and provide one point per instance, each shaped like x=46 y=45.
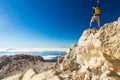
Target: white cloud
x=49 y=57
x=32 y=49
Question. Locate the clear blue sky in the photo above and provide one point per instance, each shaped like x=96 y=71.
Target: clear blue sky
x=49 y=23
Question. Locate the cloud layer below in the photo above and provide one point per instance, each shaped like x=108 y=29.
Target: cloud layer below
x=32 y=49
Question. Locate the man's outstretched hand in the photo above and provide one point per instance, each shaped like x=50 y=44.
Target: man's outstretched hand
x=98 y=1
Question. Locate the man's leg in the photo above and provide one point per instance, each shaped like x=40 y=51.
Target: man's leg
x=98 y=21
x=91 y=21
x=90 y=24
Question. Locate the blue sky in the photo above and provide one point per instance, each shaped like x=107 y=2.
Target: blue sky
x=49 y=23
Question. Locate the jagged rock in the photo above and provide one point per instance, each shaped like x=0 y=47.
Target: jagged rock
x=29 y=74
x=60 y=60
x=49 y=75
x=15 y=77
x=20 y=63
x=97 y=52
x=73 y=46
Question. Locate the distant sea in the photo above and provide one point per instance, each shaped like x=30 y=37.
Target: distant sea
x=50 y=56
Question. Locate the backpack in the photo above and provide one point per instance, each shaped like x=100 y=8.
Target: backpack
x=97 y=10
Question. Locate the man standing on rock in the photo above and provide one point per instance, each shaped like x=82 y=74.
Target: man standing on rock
x=96 y=14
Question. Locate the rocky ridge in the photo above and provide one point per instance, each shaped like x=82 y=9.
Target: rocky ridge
x=95 y=57
x=10 y=65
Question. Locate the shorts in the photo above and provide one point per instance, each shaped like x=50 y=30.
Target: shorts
x=95 y=18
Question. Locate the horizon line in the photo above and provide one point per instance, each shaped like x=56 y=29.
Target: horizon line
x=31 y=49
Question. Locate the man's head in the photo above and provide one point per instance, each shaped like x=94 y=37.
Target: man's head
x=94 y=6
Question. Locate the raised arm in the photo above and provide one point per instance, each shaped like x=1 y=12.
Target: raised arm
x=98 y=3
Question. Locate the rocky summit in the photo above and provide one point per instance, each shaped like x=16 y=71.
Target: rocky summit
x=95 y=57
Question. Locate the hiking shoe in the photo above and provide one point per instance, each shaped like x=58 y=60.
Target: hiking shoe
x=98 y=28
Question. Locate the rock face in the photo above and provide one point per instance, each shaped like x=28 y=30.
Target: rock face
x=10 y=65
x=19 y=60
x=95 y=57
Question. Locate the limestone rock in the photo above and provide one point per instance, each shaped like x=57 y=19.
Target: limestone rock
x=29 y=74
x=60 y=60
x=15 y=77
x=49 y=75
x=73 y=46
x=97 y=52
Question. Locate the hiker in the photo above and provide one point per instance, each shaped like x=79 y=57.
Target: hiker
x=96 y=14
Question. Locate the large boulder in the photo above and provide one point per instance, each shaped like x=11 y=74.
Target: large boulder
x=48 y=75
x=29 y=74
x=14 y=77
